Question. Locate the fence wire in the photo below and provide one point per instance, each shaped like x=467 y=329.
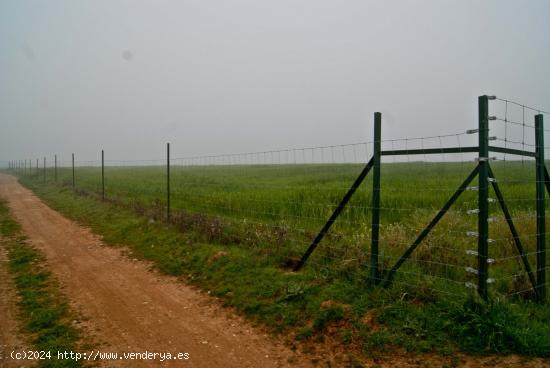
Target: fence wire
x=276 y=201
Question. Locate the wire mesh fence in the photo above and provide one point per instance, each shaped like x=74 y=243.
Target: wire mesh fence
x=277 y=201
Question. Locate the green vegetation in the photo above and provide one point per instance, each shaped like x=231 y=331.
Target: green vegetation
x=235 y=228
x=44 y=310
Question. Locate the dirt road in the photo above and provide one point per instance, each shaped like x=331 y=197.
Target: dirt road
x=131 y=309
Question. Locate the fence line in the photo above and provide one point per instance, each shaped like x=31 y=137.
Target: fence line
x=278 y=200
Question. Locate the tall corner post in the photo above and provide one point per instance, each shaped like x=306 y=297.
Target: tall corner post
x=541 y=216
x=102 y=175
x=73 y=170
x=168 y=182
x=375 y=225
x=483 y=196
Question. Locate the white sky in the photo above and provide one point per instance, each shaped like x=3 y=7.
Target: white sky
x=234 y=76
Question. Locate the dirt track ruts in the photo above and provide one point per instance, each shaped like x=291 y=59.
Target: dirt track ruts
x=132 y=309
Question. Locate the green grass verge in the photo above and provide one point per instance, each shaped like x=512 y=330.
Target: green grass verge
x=313 y=305
x=43 y=309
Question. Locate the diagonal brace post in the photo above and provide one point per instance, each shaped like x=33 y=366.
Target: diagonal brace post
x=513 y=230
x=335 y=214
x=431 y=225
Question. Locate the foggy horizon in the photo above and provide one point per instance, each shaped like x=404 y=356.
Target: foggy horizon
x=246 y=76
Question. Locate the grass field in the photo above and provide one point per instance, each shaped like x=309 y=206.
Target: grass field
x=279 y=208
x=233 y=227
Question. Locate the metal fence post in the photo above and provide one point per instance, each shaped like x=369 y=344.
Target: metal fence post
x=73 y=170
x=55 y=167
x=541 y=216
x=375 y=225
x=44 y=169
x=483 y=196
x=37 y=170
x=102 y=175
x=168 y=182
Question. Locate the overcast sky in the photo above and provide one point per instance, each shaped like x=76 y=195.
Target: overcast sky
x=235 y=76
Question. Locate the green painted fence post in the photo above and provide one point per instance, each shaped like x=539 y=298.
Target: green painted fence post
x=102 y=175
x=375 y=225
x=483 y=196
x=168 y=182
x=541 y=216
x=73 y=171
